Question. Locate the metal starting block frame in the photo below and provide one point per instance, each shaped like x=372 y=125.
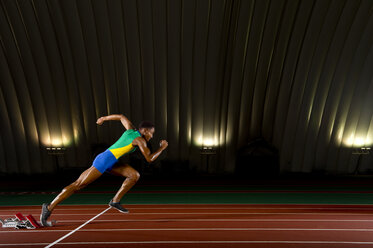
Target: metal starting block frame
x=20 y=222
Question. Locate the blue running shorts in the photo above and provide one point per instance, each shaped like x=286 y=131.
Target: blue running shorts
x=104 y=161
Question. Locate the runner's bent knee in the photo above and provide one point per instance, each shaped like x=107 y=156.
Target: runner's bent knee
x=134 y=177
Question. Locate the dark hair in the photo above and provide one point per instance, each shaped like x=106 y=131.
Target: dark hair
x=146 y=124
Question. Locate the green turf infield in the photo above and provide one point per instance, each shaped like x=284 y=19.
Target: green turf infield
x=270 y=197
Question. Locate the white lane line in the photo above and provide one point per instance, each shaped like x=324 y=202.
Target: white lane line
x=200 y=229
x=250 y=208
x=225 y=213
x=76 y=229
x=203 y=242
x=213 y=220
x=221 y=220
x=252 y=213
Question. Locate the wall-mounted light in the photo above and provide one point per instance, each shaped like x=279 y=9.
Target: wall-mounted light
x=56 y=150
x=361 y=150
x=207 y=150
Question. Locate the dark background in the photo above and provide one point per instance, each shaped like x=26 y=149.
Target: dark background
x=272 y=86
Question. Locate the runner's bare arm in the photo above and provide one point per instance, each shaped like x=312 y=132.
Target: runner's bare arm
x=126 y=123
x=150 y=157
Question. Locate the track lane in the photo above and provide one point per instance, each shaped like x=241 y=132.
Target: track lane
x=240 y=226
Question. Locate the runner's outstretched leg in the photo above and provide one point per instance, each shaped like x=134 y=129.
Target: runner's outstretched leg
x=87 y=177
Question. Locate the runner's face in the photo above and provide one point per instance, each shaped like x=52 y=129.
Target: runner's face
x=148 y=133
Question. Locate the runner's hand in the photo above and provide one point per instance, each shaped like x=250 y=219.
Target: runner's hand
x=163 y=144
x=100 y=121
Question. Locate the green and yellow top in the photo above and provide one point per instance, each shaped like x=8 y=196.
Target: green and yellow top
x=124 y=144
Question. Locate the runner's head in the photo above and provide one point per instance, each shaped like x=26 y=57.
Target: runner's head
x=147 y=130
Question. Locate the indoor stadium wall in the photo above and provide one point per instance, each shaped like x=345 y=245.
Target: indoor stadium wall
x=208 y=73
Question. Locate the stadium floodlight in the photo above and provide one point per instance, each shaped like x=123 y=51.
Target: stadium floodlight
x=361 y=150
x=56 y=150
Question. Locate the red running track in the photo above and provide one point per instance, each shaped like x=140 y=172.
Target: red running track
x=187 y=226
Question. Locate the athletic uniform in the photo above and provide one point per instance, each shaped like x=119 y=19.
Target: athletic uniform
x=106 y=160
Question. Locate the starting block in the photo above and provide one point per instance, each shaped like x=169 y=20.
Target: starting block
x=20 y=217
x=21 y=222
x=32 y=220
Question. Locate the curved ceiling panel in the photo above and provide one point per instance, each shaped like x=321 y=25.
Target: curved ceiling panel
x=207 y=73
